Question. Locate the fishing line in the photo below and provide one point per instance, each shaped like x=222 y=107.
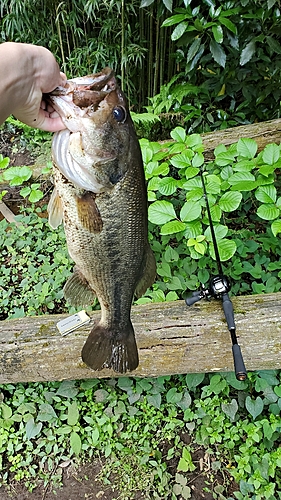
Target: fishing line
x=218 y=288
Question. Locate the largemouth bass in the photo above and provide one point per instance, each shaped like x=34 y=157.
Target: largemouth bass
x=100 y=194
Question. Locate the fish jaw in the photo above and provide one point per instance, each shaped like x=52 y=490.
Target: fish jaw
x=98 y=123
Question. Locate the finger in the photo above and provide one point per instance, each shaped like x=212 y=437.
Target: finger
x=51 y=124
x=63 y=79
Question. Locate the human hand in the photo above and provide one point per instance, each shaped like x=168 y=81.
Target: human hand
x=42 y=76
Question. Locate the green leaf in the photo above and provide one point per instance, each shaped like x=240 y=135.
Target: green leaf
x=230 y=409
x=193 y=140
x=225 y=158
x=174 y=226
x=178 y=134
x=32 y=429
x=185 y=401
x=244 y=165
x=243 y=181
x=6 y=411
x=200 y=247
x=161 y=212
x=185 y=463
x=154 y=400
x=168 y=4
x=190 y=211
x=193 y=229
x=227 y=249
x=171 y=255
x=247 y=148
x=274 y=44
x=193 y=380
x=147 y=153
x=4 y=162
x=154 y=168
x=215 y=213
x=271 y=154
x=266 y=170
x=248 y=52
x=218 y=53
x=67 y=389
x=254 y=407
x=228 y=24
x=182 y=160
x=46 y=413
x=75 y=443
x=35 y=195
x=179 y=30
x=173 y=396
x=170 y=21
x=146 y=3
x=220 y=232
x=25 y=191
x=168 y=186
x=230 y=201
x=17 y=175
x=193 y=49
x=72 y=414
x=266 y=194
x=191 y=172
x=197 y=160
x=218 y=33
x=276 y=227
x=268 y=211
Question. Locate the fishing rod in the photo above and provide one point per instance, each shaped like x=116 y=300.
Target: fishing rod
x=218 y=288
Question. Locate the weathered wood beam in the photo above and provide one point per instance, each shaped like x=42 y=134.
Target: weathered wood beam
x=172 y=338
x=263 y=133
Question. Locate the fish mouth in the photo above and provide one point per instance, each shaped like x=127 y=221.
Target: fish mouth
x=82 y=96
x=84 y=152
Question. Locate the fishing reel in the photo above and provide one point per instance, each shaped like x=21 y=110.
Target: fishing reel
x=218 y=285
x=218 y=288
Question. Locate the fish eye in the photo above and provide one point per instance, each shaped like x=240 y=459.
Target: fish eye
x=119 y=114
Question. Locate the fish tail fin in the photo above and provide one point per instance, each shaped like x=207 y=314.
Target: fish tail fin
x=108 y=348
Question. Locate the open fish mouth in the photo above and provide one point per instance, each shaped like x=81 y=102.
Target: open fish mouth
x=83 y=95
x=87 y=105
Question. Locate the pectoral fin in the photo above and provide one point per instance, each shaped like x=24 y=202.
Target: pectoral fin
x=88 y=213
x=77 y=290
x=148 y=274
x=55 y=210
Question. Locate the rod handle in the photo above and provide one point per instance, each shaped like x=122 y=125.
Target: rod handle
x=240 y=370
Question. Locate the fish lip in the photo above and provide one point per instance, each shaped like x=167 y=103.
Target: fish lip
x=100 y=82
x=82 y=96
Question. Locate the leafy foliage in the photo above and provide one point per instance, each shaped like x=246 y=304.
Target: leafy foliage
x=34 y=267
x=128 y=420
x=244 y=196
x=209 y=64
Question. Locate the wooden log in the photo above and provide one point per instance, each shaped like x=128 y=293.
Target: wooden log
x=172 y=339
x=263 y=133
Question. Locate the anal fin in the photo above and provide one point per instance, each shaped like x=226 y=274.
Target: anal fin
x=77 y=290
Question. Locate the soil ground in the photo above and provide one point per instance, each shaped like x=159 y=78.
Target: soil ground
x=84 y=482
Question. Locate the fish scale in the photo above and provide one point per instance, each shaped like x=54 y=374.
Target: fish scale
x=106 y=225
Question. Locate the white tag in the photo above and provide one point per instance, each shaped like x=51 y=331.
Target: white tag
x=73 y=322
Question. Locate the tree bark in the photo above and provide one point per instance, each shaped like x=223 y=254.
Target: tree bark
x=172 y=339
x=263 y=133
